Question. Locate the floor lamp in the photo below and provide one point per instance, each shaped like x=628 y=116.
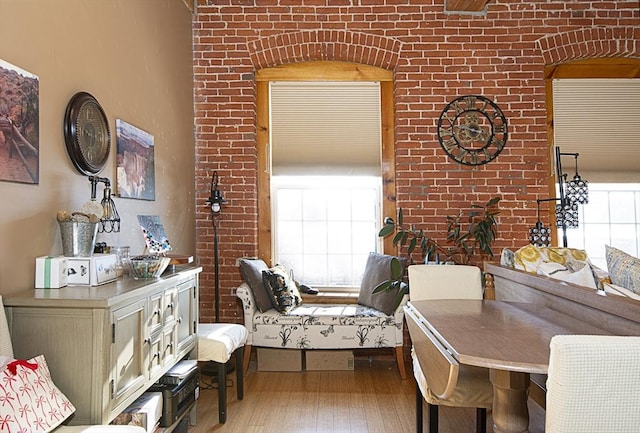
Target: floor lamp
x=215 y=202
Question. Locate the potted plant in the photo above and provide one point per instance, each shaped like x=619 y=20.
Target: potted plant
x=469 y=236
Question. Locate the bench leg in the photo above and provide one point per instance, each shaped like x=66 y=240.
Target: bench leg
x=400 y=362
x=247 y=358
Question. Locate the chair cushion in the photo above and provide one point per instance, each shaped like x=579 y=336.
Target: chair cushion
x=377 y=270
x=251 y=272
x=327 y=326
x=473 y=389
x=217 y=341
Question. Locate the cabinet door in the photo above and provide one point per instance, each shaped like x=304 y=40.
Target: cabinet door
x=156 y=319
x=156 y=347
x=128 y=351
x=170 y=301
x=187 y=320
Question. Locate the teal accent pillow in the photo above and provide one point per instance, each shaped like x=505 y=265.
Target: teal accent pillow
x=624 y=269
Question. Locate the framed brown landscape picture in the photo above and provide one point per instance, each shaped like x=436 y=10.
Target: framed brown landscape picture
x=19 y=125
x=135 y=161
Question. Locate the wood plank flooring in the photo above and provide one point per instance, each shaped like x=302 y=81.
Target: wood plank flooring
x=370 y=399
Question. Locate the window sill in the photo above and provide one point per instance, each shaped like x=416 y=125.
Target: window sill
x=328 y=297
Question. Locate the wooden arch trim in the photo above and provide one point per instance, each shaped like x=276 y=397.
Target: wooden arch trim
x=602 y=67
x=321 y=71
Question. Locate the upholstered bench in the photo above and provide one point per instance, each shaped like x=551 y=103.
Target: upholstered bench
x=310 y=326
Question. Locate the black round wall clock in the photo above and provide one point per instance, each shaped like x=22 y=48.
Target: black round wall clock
x=86 y=134
x=472 y=130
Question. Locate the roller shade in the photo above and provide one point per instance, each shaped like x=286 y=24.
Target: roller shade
x=600 y=120
x=325 y=128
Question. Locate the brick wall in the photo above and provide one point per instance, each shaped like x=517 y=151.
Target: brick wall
x=434 y=56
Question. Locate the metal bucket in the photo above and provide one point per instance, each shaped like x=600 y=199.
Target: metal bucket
x=78 y=238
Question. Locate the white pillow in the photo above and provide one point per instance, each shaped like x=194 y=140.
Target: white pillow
x=582 y=277
x=29 y=400
x=620 y=291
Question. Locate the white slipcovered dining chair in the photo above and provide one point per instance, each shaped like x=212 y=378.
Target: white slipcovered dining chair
x=593 y=384
x=467 y=386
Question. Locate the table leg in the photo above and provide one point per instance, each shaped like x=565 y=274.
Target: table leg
x=510 y=392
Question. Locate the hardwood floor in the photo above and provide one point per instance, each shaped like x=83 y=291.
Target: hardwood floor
x=370 y=399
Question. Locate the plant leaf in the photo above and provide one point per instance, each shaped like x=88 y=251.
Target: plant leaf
x=383 y=286
x=396 y=268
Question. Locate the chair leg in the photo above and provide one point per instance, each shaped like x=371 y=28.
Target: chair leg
x=222 y=392
x=433 y=418
x=240 y=373
x=481 y=420
x=400 y=362
x=419 y=411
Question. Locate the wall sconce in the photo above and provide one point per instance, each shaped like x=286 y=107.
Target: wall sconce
x=539 y=235
x=577 y=189
x=570 y=196
x=572 y=193
x=110 y=219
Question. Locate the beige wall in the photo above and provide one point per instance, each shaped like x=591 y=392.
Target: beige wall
x=135 y=57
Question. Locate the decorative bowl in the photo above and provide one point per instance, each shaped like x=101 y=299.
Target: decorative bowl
x=148 y=266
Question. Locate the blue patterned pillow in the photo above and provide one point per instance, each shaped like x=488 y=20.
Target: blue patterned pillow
x=624 y=269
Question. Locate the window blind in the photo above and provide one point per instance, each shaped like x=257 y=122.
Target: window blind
x=600 y=120
x=325 y=128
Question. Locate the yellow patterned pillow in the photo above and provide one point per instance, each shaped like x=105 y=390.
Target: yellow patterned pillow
x=530 y=257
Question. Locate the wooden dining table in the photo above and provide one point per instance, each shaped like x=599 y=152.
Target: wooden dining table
x=510 y=339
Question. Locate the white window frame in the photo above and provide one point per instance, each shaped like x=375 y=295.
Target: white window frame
x=334 y=183
x=592 y=235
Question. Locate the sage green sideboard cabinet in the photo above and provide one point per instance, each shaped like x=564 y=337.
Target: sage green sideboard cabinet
x=105 y=345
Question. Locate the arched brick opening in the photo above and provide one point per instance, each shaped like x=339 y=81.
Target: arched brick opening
x=336 y=45
x=590 y=43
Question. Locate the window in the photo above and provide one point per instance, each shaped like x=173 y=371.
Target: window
x=325 y=179
x=612 y=217
x=325 y=227
x=596 y=104
x=367 y=151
